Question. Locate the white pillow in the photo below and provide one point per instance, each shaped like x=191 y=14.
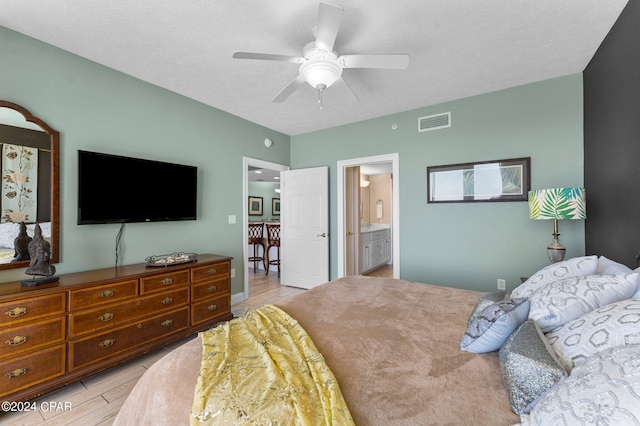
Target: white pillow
x=612 y=325
x=489 y=330
x=8 y=233
x=604 y=390
x=559 y=302
x=636 y=295
x=609 y=267
x=574 y=267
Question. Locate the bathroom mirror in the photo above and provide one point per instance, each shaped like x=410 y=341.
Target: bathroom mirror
x=29 y=167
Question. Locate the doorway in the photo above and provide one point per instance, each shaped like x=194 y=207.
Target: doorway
x=261 y=182
x=366 y=216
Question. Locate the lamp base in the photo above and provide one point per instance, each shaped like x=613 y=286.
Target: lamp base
x=555 y=250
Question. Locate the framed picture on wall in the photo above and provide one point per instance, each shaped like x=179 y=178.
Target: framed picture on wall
x=275 y=206
x=498 y=180
x=255 y=206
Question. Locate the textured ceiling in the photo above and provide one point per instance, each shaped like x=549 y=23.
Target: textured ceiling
x=457 y=48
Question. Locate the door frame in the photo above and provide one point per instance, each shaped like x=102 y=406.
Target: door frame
x=394 y=159
x=246 y=163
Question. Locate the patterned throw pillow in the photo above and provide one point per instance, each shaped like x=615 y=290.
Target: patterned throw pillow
x=559 y=302
x=488 y=331
x=529 y=366
x=485 y=300
x=604 y=390
x=612 y=325
x=574 y=267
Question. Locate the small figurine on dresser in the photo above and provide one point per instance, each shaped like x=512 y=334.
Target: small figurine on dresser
x=40 y=253
x=21 y=244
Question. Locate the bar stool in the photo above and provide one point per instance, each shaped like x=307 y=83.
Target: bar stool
x=256 y=238
x=273 y=240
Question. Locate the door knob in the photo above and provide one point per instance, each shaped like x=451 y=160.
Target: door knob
x=323 y=235
x=349 y=234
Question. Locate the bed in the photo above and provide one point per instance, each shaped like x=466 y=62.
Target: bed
x=395 y=349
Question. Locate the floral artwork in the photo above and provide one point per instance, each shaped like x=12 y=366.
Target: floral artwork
x=19 y=183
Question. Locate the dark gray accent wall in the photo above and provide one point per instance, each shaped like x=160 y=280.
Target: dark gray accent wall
x=612 y=142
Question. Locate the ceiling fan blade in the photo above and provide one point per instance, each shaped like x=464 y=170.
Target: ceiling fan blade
x=268 y=57
x=399 y=62
x=329 y=19
x=342 y=83
x=287 y=91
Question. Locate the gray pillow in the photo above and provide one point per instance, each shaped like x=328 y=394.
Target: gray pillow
x=529 y=367
x=488 y=331
x=487 y=300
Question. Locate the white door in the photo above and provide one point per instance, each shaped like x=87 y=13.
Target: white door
x=304 y=221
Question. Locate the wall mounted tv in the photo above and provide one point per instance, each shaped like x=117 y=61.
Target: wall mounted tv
x=116 y=189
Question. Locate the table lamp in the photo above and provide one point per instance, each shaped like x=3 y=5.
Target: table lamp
x=557 y=203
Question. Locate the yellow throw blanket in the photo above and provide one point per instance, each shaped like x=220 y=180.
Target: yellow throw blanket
x=263 y=369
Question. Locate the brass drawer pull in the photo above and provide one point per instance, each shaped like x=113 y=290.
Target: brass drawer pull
x=106 y=317
x=213 y=288
x=17 y=373
x=167 y=281
x=17 y=312
x=107 y=343
x=107 y=293
x=18 y=340
x=167 y=300
x=167 y=323
x=212 y=271
x=139 y=325
x=212 y=308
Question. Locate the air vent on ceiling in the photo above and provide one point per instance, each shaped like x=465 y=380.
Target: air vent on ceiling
x=433 y=122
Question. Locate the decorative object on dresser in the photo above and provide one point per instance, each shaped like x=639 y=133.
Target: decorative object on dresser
x=557 y=203
x=175 y=258
x=40 y=253
x=89 y=321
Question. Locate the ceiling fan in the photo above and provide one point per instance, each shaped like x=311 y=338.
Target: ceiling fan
x=320 y=66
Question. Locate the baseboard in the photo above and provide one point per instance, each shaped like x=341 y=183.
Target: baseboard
x=237 y=298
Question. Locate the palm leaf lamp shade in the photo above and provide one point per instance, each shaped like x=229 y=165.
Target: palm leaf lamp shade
x=557 y=203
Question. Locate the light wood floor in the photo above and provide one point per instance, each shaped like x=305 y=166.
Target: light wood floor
x=97 y=399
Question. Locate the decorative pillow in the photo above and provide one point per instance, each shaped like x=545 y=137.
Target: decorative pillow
x=488 y=331
x=636 y=295
x=486 y=300
x=609 y=267
x=612 y=325
x=559 y=302
x=574 y=267
x=529 y=366
x=604 y=390
x=8 y=232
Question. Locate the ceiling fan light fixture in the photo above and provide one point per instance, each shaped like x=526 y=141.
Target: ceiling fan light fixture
x=320 y=72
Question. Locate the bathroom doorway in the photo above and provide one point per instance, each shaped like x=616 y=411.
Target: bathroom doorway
x=368 y=213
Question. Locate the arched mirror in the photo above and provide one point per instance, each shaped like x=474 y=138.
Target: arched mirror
x=29 y=170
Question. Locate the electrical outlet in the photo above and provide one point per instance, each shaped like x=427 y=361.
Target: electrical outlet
x=502 y=284
x=233 y=272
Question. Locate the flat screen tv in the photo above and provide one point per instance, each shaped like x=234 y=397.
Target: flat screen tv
x=116 y=189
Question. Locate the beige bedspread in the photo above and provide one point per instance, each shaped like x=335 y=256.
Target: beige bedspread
x=391 y=344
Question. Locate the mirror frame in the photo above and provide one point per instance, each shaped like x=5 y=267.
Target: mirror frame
x=55 y=184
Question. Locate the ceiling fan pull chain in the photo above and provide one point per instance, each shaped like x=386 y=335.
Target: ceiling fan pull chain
x=321 y=88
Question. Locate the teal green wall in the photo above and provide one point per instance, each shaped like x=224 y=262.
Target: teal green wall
x=468 y=245
x=98 y=109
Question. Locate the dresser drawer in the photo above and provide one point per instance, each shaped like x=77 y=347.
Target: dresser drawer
x=86 y=351
x=21 y=338
x=113 y=315
x=209 y=289
x=164 y=281
x=204 y=273
x=209 y=309
x=98 y=295
x=32 y=308
x=31 y=369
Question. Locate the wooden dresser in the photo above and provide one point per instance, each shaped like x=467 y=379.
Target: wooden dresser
x=61 y=332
